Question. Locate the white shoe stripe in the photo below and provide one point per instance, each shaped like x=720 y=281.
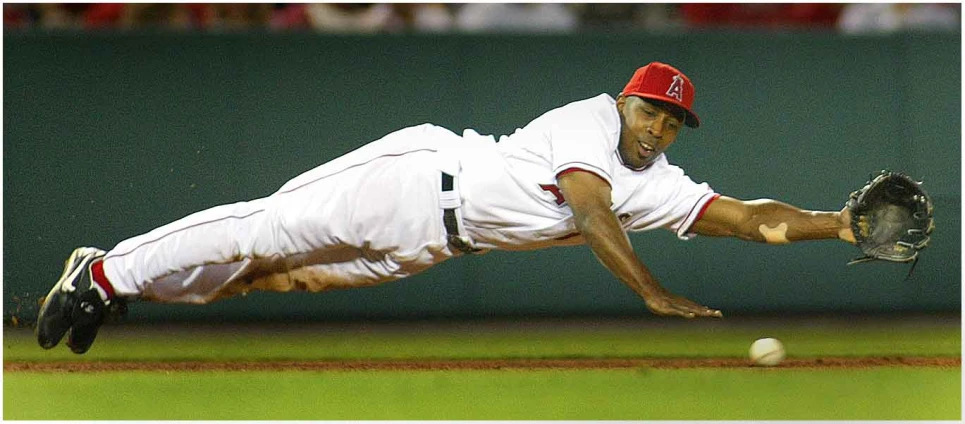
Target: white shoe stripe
x=85 y=255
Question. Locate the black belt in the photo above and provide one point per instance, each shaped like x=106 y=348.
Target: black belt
x=452 y=224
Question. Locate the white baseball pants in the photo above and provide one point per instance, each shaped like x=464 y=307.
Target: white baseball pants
x=368 y=217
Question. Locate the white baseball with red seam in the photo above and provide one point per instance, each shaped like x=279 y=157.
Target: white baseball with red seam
x=767 y=352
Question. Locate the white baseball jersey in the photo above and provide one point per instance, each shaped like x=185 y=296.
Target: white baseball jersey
x=376 y=214
x=512 y=200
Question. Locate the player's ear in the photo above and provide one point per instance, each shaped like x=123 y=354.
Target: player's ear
x=621 y=101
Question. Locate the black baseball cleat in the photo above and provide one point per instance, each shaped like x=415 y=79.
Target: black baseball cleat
x=74 y=305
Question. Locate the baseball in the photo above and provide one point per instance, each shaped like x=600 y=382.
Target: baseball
x=767 y=352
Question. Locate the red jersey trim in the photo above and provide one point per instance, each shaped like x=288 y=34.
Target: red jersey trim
x=704 y=208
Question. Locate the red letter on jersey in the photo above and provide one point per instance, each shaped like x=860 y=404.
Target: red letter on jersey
x=556 y=192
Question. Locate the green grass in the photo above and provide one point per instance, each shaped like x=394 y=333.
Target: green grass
x=745 y=394
x=899 y=393
x=691 y=339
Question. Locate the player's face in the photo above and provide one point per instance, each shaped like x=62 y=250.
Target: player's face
x=646 y=130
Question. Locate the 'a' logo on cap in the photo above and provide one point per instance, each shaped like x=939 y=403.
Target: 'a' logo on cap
x=676 y=89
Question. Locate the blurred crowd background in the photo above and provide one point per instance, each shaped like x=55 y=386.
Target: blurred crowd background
x=363 y=18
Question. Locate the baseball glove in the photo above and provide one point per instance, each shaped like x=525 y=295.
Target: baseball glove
x=891 y=217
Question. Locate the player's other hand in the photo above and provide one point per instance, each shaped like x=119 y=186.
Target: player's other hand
x=666 y=303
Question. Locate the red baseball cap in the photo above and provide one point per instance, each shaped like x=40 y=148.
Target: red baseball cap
x=660 y=81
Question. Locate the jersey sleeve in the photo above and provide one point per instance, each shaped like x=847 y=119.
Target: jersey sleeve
x=582 y=141
x=693 y=215
x=685 y=202
x=670 y=199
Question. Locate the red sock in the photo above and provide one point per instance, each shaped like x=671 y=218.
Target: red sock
x=97 y=274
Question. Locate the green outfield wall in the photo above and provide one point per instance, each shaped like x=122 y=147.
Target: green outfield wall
x=109 y=135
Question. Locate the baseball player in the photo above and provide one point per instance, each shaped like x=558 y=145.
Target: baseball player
x=583 y=173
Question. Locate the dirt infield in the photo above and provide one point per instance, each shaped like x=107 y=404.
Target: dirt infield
x=478 y=364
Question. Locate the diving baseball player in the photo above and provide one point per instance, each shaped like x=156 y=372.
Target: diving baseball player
x=584 y=173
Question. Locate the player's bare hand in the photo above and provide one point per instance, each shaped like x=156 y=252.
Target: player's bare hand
x=666 y=303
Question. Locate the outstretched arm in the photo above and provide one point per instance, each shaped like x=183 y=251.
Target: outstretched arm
x=589 y=197
x=771 y=221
